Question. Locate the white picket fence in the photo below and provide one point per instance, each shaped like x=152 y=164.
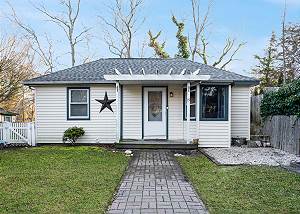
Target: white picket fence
x=18 y=133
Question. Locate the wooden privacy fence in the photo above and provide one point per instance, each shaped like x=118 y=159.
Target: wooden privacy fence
x=18 y=133
x=256 y=121
x=284 y=132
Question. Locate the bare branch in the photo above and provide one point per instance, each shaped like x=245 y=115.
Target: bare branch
x=232 y=55
x=124 y=24
x=67 y=22
x=45 y=54
x=199 y=24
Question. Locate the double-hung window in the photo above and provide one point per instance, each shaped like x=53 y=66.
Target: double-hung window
x=214 y=103
x=78 y=103
x=192 y=103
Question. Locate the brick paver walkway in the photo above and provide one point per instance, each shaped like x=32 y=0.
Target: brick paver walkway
x=154 y=183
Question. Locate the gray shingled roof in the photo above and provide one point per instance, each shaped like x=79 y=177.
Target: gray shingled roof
x=8 y=113
x=93 y=72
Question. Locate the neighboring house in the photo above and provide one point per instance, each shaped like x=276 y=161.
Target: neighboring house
x=7 y=116
x=174 y=99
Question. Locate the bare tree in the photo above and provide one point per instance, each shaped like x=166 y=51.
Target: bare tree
x=67 y=21
x=229 y=51
x=283 y=43
x=16 y=65
x=289 y=53
x=141 y=48
x=199 y=24
x=199 y=44
x=45 y=53
x=121 y=28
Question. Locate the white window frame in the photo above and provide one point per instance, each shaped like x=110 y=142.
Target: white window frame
x=70 y=103
x=10 y=118
x=191 y=104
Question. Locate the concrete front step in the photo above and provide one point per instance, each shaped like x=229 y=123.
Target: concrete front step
x=145 y=145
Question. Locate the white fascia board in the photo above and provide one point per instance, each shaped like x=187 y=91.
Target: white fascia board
x=162 y=77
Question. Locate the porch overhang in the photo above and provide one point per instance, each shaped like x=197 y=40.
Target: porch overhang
x=157 y=78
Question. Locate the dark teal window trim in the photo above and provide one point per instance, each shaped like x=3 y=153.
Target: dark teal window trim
x=89 y=107
x=226 y=103
x=183 y=115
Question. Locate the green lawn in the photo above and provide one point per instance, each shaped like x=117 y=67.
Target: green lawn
x=59 y=179
x=243 y=189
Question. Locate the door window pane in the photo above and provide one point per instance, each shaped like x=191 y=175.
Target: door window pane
x=154 y=106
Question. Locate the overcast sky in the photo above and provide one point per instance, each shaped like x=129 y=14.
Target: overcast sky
x=250 y=21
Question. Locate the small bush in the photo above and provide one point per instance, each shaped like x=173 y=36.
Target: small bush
x=72 y=134
x=285 y=101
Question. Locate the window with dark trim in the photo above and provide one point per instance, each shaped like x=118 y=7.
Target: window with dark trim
x=193 y=103
x=8 y=118
x=78 y=103
x=214 y=103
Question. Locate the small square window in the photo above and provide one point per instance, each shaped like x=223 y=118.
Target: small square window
x=7 y=118
x=78 y=103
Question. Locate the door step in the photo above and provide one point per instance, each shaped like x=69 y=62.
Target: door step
x=156 y=146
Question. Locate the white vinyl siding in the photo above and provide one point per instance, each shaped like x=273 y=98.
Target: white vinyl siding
x=214 y=134
x=51 y=115
x=132 y=112
x=175 y=112
x=240 y=112
x=210 y=133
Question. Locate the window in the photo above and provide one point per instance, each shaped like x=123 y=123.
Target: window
x=192 y=103
x=154 y=106
x=78 y=103
x=214 y=103
x=7 y=118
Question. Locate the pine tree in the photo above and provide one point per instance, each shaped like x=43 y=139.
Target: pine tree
x=266 y=70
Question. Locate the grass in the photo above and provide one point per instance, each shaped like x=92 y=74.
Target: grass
x=59 y=179
x=243 y=189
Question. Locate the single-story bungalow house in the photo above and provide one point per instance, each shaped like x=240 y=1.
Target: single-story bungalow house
x=117 y=100
x=7 y=116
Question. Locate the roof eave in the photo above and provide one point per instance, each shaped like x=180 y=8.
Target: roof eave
x=233 y=82
x=37 y=83
x=247 y=82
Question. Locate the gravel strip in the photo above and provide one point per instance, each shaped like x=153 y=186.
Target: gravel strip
x=251 y=156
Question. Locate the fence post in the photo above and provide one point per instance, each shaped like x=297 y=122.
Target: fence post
x=5 y=131
x=29 y=133
x=6 y=134
x=33 y=134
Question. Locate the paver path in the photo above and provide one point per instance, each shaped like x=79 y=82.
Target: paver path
x=154 y=183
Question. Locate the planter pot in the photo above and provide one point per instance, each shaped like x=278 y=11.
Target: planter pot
x=238 y=141
x=195 y=141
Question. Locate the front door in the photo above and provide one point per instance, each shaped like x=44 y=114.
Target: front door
x=155 y=113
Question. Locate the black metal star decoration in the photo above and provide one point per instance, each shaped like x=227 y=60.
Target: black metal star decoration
x=106 y=103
